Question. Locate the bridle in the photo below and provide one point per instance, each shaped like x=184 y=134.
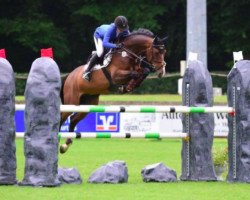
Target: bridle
x=143 y=59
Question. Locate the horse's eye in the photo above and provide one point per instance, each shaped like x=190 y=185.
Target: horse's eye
x=162 y=51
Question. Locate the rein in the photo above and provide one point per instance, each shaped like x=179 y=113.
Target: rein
x=140 y=58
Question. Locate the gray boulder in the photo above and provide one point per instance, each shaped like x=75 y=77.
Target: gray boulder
x=69 y=176
x=112 y=172
x=158 y=173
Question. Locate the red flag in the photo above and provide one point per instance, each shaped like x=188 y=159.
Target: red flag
x=47 y=52
x=2 y=53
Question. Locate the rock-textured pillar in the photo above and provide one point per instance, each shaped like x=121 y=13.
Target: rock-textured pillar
x=7 y=124
x=42 y=118
x=238 y=90
x=197 y=91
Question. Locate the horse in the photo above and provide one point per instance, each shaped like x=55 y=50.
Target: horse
x=141 y=53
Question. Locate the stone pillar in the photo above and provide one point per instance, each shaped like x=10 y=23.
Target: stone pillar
x=197 y=91
x=238 y=90
x=7 y=124
x=42 y=118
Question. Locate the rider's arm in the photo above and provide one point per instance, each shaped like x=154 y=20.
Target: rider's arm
x=109 y=35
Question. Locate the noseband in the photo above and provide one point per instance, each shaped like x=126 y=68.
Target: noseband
x=142 y=59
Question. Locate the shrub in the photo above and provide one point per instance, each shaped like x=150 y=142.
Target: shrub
x=220 y=156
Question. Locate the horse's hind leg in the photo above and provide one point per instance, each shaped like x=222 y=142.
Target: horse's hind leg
x=74 y=119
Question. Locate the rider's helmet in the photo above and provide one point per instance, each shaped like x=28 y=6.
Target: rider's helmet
x=121 y=22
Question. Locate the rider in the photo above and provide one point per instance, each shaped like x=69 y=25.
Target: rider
x=104 y=37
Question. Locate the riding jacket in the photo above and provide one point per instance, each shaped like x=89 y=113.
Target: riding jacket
x=107 y=33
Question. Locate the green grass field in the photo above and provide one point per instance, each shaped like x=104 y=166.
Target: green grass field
x=89 y=154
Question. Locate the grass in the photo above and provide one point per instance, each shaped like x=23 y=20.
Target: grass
x=170 y=98
x=89 y=154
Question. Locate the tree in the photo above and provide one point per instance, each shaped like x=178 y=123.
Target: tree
x=25 y=29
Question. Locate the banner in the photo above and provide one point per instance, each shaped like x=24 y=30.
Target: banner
x=131 y=122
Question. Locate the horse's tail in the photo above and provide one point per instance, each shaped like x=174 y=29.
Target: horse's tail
x=63 y=79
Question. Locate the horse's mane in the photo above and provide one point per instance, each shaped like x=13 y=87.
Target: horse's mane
x=142 y=31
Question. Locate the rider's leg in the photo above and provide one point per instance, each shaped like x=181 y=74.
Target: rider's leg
x=94 y=58
x=92 y=62
x=99 y=47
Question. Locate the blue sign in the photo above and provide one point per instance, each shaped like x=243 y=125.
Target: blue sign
x=93 y=122
x=107 y=122
x=19 y=119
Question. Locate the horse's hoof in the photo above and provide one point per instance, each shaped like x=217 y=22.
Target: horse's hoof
x=69 y=141
x=63 y=148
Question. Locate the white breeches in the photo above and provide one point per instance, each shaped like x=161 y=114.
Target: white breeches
x=98 y=46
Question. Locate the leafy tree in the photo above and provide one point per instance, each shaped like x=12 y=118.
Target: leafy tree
x=25 y=29
x=228 y=31
x=68 y=26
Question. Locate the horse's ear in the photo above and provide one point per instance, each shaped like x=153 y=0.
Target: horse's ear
x=164 y=39
x=156 y=40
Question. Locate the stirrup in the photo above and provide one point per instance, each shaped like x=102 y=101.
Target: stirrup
x=86 y=75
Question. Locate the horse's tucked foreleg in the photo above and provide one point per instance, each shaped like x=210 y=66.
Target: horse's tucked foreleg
x=137 y=80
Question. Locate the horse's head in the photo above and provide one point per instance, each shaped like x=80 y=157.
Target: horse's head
x=156 y=55
x=148 y=49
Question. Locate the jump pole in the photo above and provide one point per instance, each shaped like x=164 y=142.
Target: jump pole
x=140 y=109
x=127 y=135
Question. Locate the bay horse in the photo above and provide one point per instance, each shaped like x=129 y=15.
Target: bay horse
x=141 y=54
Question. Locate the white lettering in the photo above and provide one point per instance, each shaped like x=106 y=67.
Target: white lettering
x=106 y=121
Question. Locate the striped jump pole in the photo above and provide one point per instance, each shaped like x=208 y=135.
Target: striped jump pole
x=162 y=135
x=140 y=109
x=150 y=135
x=127 y=135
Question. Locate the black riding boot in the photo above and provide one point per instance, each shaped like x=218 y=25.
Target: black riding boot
x=93 y=61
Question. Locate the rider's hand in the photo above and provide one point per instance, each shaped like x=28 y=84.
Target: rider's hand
x=119 y=46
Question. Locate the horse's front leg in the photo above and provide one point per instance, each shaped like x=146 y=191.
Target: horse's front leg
x=129 y=79
x=137 y=80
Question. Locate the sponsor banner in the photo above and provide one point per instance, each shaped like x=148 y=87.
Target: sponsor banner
x=93 y=122
x=139 y=122
x=107 y=122
x=164 y=122
x=19 y=119
x=130 y=122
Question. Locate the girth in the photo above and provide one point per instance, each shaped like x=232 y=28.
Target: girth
x=112 y=87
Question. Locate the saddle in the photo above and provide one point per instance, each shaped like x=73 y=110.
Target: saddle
x=103 y=61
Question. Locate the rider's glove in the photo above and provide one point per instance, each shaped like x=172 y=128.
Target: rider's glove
x=119 y=46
